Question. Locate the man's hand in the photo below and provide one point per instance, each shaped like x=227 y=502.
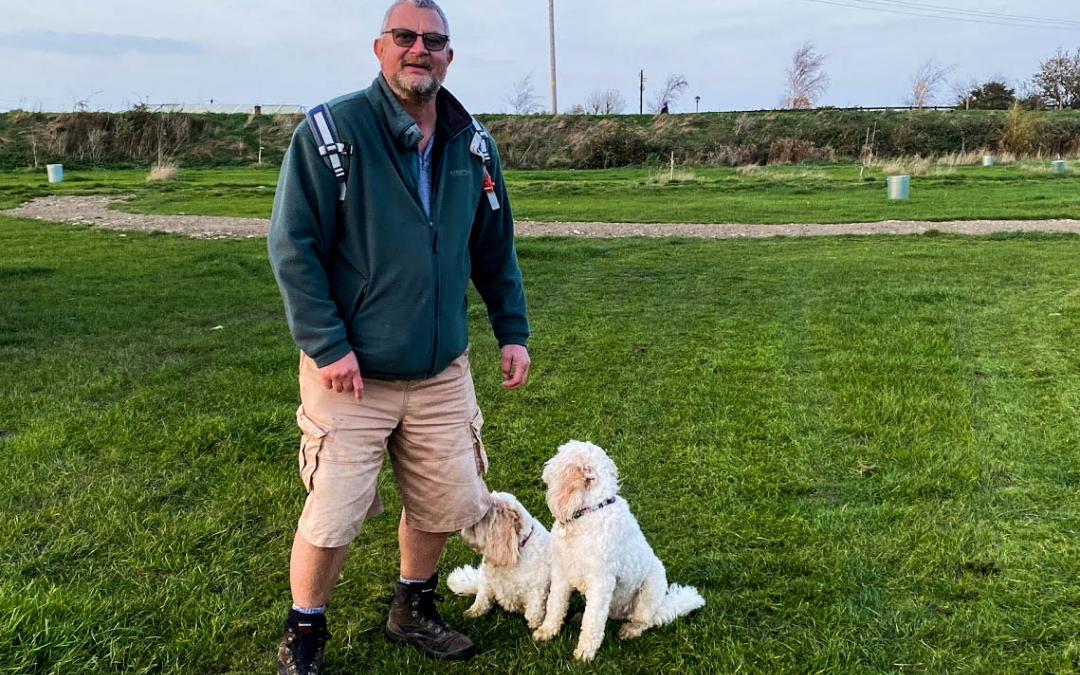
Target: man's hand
x=344 y=375
x=515 y=365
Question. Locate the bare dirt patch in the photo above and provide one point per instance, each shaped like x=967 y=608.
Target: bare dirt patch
x=95 y=211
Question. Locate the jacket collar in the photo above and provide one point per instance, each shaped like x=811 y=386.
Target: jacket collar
x=449 y=112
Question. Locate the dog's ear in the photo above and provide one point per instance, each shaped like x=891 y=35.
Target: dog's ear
x=565 y=492
x=503 y=536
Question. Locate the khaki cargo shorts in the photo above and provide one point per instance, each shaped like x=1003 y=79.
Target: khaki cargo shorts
x=432 y=431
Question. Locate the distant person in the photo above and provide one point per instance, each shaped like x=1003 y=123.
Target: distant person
x=375 y=295
x=664 y=110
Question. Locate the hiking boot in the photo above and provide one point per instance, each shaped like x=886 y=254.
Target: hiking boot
x=301 y=649
x=415 y=621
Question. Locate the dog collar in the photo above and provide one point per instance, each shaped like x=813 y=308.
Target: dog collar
x=589 y=509
x=526 y=539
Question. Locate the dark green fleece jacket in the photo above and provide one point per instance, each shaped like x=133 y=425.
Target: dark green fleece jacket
x=376 y=276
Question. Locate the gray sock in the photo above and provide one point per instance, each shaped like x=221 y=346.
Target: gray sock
x=310 y=610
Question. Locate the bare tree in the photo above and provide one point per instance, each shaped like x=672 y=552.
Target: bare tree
x=522 y=98
x=32 y=133
x=1057 y=83
x=607 y=102
x=961 y=91
x=82 y=105
x=669 y=93
x=926 y=81
x=866 y=155
x=806 y=79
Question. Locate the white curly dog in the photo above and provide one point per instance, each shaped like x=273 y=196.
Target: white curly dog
x=516 y=569
x=599 y=550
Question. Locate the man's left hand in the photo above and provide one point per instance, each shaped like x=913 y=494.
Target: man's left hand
x=515 y=365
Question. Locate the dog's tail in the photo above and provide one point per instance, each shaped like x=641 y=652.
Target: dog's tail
x=678 y=601
x=464 y=580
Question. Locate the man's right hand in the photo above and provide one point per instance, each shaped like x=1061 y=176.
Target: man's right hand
x=343 y=375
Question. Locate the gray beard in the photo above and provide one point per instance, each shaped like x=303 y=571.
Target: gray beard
x=422 y=92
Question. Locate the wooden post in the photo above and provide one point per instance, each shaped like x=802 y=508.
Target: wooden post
x=641 y=95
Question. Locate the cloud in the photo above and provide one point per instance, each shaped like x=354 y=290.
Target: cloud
x=95 y=44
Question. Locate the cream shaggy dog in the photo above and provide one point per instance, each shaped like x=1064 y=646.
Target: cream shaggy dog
x=599 y=550
x=516 y=569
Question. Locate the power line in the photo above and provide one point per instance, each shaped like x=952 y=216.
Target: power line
x=926 y=14
x=969 y=12
x=889 y=6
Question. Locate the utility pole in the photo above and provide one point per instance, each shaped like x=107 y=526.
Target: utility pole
x=551 y=37
x=641 y=96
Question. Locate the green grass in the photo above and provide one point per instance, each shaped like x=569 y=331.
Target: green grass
x=780 y=194
x=863 y=451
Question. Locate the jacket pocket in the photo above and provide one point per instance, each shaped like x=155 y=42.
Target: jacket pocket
x=475 y=425
x=312 y=440
x=357 y=302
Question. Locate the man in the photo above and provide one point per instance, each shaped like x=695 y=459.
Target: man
x=375 y=294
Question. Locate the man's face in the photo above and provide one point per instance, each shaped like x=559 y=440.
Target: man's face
x=416 y=73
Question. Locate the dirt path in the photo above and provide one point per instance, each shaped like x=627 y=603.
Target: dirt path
x=94 y=211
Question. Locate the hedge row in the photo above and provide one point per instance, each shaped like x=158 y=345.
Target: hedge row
x=138 y=138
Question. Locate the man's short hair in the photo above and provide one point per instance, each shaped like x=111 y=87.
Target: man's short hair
x=422 y=4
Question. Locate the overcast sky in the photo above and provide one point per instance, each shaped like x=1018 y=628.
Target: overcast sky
x=118 y=52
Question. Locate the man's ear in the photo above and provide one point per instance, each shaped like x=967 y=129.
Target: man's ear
x=449 y=55
x=378 y=47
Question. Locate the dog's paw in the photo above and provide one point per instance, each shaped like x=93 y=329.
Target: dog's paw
x=475 y=612
x=585 y=652
x=629 y=631
x=543 y=634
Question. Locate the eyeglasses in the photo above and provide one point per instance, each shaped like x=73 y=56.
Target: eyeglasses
x=405 y=38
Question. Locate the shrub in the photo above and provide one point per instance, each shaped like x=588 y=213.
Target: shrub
x=1020 y=131
x=164 y=170
x=607 y=144
x=794 y=151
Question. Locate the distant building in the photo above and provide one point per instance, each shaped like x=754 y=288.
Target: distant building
x=229 y=108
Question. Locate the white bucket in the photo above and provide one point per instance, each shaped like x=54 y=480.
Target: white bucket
x=899 y=187
x=988 y=160
x=1058 y=166
x=56 y=173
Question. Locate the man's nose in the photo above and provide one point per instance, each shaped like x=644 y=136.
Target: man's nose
x=418 y=47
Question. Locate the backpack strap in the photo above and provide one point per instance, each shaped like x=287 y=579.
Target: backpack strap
x=479 y=147
x=335 y=154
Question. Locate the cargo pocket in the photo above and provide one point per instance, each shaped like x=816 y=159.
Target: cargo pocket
x=311 y=444
x=478 y=443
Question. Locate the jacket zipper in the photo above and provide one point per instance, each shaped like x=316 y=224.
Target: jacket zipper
x=435 y=264
x=436 y=185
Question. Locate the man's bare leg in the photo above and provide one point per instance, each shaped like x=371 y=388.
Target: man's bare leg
x=313 y=571
x=420 y=551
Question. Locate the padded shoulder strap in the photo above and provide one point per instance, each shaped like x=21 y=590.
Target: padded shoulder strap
x=479 y=147
x=334 y=153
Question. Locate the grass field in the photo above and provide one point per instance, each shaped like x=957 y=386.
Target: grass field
x=863 y=451
x=774 y=194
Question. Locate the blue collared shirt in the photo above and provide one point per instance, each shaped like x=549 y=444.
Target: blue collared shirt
x=423 y=182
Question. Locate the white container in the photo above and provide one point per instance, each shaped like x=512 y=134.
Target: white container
x=56 y=173
x=899 y=187
x=1058 y=166
x=988 y=160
